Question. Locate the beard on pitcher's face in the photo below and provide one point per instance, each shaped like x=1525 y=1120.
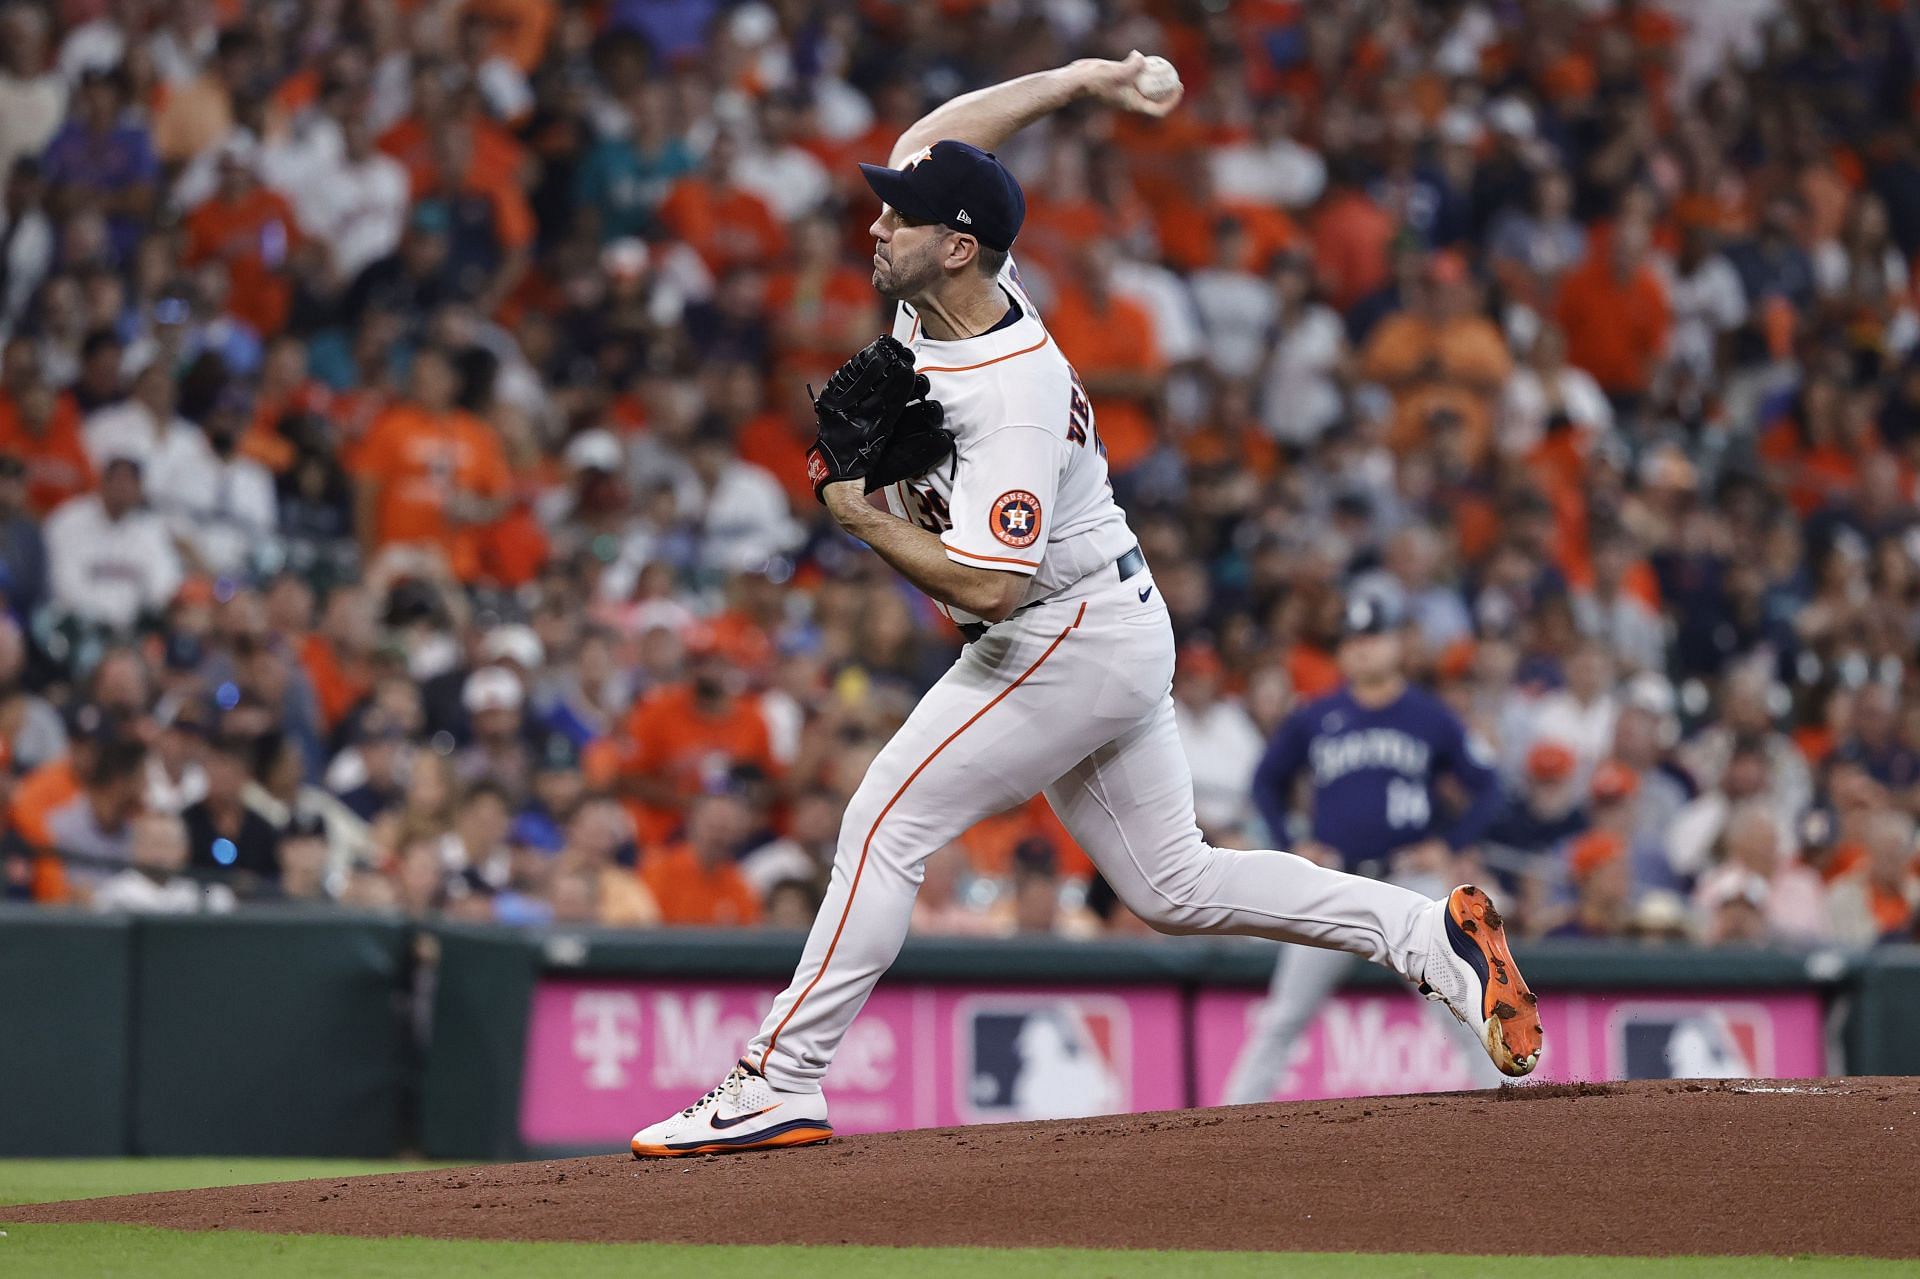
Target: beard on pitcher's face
x=903 y=269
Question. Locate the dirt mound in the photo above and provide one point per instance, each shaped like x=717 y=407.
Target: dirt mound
x=1648 y=1168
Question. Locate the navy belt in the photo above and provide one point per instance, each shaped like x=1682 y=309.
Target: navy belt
x=1126 y=566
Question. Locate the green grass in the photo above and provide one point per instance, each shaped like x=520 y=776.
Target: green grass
x=27 y=1181
x=55 y=1252
x=139 y=1252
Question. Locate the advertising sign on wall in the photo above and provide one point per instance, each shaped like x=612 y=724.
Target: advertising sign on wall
x=608 y=1056
x=1379 y=1042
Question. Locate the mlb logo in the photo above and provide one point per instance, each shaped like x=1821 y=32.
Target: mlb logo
x=1690 y=1041
x=1041 y=1057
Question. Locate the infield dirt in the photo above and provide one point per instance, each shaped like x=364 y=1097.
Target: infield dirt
x=1650 y=1168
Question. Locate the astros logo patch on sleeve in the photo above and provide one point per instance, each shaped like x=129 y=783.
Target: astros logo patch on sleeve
x=1016 y=518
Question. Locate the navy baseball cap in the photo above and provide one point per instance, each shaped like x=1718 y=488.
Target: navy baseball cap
x=958 y=185
x=1366 y=615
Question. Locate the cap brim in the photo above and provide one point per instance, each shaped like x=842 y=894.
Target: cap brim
x=891 y=185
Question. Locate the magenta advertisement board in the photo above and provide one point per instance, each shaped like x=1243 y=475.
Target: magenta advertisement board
x=1387 y=1042
x=608 y=1056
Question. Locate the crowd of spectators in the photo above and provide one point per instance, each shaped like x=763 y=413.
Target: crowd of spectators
x=403 y=406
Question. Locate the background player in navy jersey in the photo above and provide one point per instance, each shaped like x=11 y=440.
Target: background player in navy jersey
x=1373 y=751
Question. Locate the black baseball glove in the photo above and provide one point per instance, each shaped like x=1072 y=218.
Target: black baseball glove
x=920 y=442
x=859 y=411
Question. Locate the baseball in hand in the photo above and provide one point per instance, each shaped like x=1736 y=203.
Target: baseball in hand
x=1157 y=79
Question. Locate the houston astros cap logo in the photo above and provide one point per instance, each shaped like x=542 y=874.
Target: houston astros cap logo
x=1016 y=518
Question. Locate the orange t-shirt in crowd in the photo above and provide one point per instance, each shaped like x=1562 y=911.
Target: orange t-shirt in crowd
x=816 y=314
x=991 y=841
x=521 y=27
x=337 y=686
x=1313 y=671
x=1616 y=329
x=496 y=155
x=57 y=464
x=769 y=441
x=1351 y=237
x=1814 y=475
x=39 y=793
x=727 y=227
x=1052 y=228
x=254 y=235
x=1116 y=338
x=669 y=736
x=420 y=462
x=1455 y=364
x=1187 y=233
x=263 y=442
x=514 y=547
x=1846 y=859
x=690 y=893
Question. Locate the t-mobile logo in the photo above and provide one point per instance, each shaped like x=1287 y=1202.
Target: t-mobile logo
x=606 y=1035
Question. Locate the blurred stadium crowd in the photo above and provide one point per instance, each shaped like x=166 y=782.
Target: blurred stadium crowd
x=403 y=406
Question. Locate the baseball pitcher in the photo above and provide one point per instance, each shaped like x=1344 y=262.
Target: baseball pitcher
x=971 y=428
x=1372 y=751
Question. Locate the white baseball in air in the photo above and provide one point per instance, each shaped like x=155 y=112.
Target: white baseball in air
x=1157 y=79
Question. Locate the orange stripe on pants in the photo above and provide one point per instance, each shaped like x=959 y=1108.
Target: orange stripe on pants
x=860 y=867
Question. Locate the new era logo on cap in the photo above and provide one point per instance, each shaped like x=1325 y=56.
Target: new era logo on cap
x=963 y=218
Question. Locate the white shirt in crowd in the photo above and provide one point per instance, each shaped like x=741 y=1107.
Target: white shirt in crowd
x=137 y=893
x=28 y=255
x=303 y=161
x=129 y=429
x=1707 y=302
x=1176 y=327
x=1224 y=748
x=98 y=45
x=1585 y=728
x=221 y=507
x=1282 y=172
x=1236 y=310
x=32 y=109
x=747 y=521
x=1525 y=406
x=503 y=86
x=1834 y=272
x=359 y=212
x=790 y=180
x=108 y=570
x=1300 y=397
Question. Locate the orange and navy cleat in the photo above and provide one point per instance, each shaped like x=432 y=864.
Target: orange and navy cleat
x=744 y=1113
x=1471 y=971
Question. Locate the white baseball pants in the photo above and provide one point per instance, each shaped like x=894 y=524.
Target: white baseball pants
x=1072 y=698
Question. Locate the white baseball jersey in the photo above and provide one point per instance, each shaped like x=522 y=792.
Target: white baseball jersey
x=1071 y=697
x=1027 y=491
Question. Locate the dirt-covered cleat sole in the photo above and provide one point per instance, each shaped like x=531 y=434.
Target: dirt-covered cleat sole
x=1496 y=1001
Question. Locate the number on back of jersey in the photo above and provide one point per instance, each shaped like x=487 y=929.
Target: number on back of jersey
x=1407 y=805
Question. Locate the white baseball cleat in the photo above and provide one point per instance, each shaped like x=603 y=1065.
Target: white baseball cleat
x=744 y=1113
x=1471 y=971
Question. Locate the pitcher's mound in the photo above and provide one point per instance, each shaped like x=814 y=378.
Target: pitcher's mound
x=1822 y=1166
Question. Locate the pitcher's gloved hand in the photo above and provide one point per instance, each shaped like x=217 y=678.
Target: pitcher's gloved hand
x=857 y=409
x=920 y=442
